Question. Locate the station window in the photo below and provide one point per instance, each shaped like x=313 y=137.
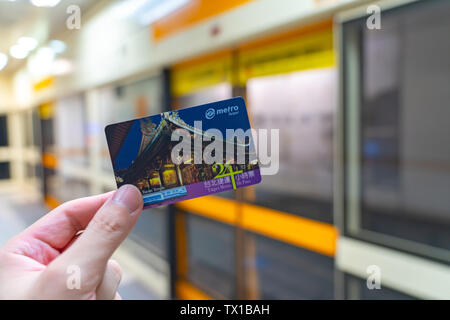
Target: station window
x=28 y=128
x=4 y=170
x=66 y=188
x=150 y=232
x=301 y=106
x=48 y=138
x=276 y=270
x=70 y=131
x=397 y=124
x=35 y=128
x=211 y=256
x=3 y=131
x=31 y=170
x=31 y=125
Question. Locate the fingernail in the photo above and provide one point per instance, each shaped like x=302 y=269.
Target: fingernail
x=128 y=196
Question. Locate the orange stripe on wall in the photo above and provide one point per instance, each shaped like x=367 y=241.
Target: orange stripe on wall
x=51 y=201
x=49 y=161
x=193 y=12
x=186 y=291
x=313 y=235
x=302 y=232
x=212 y=207
x=181 y=244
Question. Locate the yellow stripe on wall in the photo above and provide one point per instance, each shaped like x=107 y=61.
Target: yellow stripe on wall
x=199 y=73
x=309 y=51
x=46 y=110
x=43 y=84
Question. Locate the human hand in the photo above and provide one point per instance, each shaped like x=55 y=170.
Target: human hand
x=38 y=263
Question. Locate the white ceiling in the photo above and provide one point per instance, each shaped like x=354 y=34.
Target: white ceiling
x=21 y=18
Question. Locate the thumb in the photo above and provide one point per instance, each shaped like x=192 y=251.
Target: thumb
x=105 y=232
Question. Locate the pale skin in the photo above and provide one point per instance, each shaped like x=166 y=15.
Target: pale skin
x=82 y=233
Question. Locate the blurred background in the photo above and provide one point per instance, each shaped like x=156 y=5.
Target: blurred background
x=364 y=119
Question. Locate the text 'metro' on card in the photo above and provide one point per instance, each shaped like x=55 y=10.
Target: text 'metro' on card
x=184 y=154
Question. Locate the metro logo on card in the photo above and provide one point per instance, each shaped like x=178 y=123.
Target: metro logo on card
x=187 y=153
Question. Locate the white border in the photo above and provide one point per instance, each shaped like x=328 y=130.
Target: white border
x=418 y=277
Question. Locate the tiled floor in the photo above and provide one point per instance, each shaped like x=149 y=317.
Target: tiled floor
x=16 y=214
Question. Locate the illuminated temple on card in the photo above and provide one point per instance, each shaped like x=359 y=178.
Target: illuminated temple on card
x=153 y=169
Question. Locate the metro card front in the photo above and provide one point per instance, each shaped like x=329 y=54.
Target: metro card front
x=187 y=153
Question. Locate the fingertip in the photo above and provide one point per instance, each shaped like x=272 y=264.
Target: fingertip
x=130 y=197
x=110 y=282
x=115 y=266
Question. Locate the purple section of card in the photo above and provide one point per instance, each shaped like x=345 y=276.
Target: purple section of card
x=217 y=185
